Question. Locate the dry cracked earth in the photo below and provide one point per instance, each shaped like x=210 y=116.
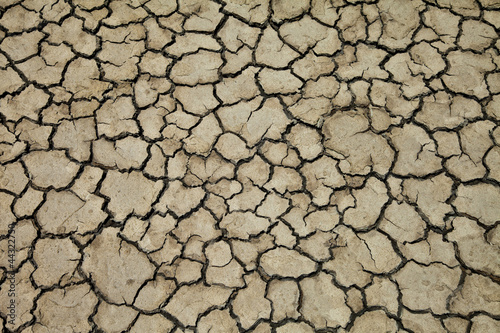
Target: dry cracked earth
x=249 y=166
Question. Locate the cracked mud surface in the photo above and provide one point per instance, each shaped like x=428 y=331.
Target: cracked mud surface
x=250 y=166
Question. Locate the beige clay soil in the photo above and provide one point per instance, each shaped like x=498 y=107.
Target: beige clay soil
x=285 y=166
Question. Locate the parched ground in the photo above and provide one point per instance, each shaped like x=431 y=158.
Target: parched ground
x=285 y=166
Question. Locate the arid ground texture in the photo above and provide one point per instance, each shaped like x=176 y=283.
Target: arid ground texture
x=265 y=166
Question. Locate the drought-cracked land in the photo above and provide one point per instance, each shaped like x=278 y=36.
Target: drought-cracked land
x=266 y=166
